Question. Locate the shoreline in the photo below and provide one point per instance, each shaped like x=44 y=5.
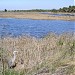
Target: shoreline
x=35 y=15
x=41 y=37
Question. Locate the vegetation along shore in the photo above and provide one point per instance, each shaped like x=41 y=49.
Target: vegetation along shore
x=34 y=15
x=51 y=55
x=37 y=14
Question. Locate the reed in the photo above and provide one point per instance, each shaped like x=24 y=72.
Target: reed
x=50 y=54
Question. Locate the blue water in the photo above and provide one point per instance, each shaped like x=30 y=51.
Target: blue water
x=36 y=28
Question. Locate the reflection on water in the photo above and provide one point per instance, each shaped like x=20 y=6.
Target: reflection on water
x=37 y=28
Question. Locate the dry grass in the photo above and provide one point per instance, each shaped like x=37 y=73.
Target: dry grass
x=34 y=15
x=52 y=52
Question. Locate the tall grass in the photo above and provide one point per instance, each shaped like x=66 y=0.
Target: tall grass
x=53 y=52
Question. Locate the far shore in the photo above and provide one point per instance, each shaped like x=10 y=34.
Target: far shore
x=34 y=15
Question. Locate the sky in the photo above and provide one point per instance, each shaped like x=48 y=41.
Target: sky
x=34 y=4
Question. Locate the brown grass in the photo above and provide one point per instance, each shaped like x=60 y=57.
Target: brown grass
x=34 y=15
x=52 y=52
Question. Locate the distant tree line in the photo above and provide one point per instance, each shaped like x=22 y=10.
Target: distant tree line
x=34 y=10
x=67 y=9
x=64 y=9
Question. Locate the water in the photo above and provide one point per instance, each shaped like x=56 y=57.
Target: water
x=59 y=14
x=62 y=14
x=36 y=28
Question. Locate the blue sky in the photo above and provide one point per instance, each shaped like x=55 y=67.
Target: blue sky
x=34 y=4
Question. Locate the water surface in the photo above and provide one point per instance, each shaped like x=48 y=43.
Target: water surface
x=36 y=28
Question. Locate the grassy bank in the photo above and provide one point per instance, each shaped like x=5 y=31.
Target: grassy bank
x=34 y=15
x=51 y=55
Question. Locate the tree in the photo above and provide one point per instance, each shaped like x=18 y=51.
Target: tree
x=5 y=10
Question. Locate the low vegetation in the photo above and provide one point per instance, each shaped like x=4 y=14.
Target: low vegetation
x=51 y=55
x=70 y=9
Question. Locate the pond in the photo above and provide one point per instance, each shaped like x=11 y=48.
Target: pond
x=36 y=28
